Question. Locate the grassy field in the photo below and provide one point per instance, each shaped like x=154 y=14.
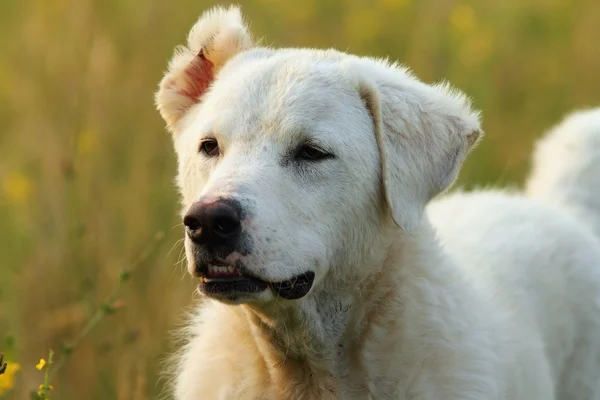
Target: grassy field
x=86 y=168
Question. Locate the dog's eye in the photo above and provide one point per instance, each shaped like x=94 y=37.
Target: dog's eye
x=307 y=152
x=210 y=147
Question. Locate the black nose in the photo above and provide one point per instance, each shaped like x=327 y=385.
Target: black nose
x=213 y=224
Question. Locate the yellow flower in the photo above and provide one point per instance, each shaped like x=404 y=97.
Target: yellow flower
x=43 y=387
x=7 y=379
x=17 y=187
x=43 y=391
x=41 y=364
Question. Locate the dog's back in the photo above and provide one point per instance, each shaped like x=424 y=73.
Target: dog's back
x=566 y=173
x=537 y=255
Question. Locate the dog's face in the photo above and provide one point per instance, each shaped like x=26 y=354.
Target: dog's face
x=278 y=168
x=291 y=161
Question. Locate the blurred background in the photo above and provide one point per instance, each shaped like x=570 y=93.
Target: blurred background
x=86 y=167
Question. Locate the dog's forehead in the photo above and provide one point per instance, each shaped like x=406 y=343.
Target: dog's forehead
x=278 y=94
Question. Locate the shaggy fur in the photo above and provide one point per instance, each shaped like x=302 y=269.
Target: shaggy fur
x=485 y=295
x=566 y=167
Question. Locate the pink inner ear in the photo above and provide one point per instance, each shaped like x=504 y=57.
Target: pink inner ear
x=199 y=75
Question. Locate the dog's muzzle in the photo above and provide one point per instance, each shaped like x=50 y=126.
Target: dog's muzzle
x=216 y=228
x=229 y=281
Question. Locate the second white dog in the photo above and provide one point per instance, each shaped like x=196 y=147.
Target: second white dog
x=304 y=177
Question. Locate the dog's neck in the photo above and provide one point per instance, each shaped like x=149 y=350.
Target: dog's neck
x=312 y=348
x=301 y=346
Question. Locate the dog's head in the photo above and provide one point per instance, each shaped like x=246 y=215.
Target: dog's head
x=292 y=161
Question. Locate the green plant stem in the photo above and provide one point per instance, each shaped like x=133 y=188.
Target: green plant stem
x=107 y=306
x=47 y=374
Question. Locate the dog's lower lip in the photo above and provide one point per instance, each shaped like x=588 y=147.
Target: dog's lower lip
x=223 y=279
x=295 y=288
x=226 y=286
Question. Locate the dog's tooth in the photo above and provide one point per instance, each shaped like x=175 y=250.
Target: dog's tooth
x=221 y=269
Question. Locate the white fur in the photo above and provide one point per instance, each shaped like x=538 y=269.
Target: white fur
x=566 y=166
x=486 y=295
x=219 y=35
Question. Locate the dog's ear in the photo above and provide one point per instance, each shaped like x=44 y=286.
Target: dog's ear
x=218 y=35
x=423 y=132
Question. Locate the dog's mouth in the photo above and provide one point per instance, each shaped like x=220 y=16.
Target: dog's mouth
x=230 y=281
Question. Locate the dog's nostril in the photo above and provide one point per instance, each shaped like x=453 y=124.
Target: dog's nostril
x=226 y=226
x=191 y=222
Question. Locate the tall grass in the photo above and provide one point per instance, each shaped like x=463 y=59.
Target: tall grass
x=86 y=167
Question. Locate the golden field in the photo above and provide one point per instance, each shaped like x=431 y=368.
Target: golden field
x=88 y=211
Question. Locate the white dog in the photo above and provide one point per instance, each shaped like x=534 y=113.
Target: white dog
x=304 y=177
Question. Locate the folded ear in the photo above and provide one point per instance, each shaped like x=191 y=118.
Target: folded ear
x=218 y=35
x=424 y=133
